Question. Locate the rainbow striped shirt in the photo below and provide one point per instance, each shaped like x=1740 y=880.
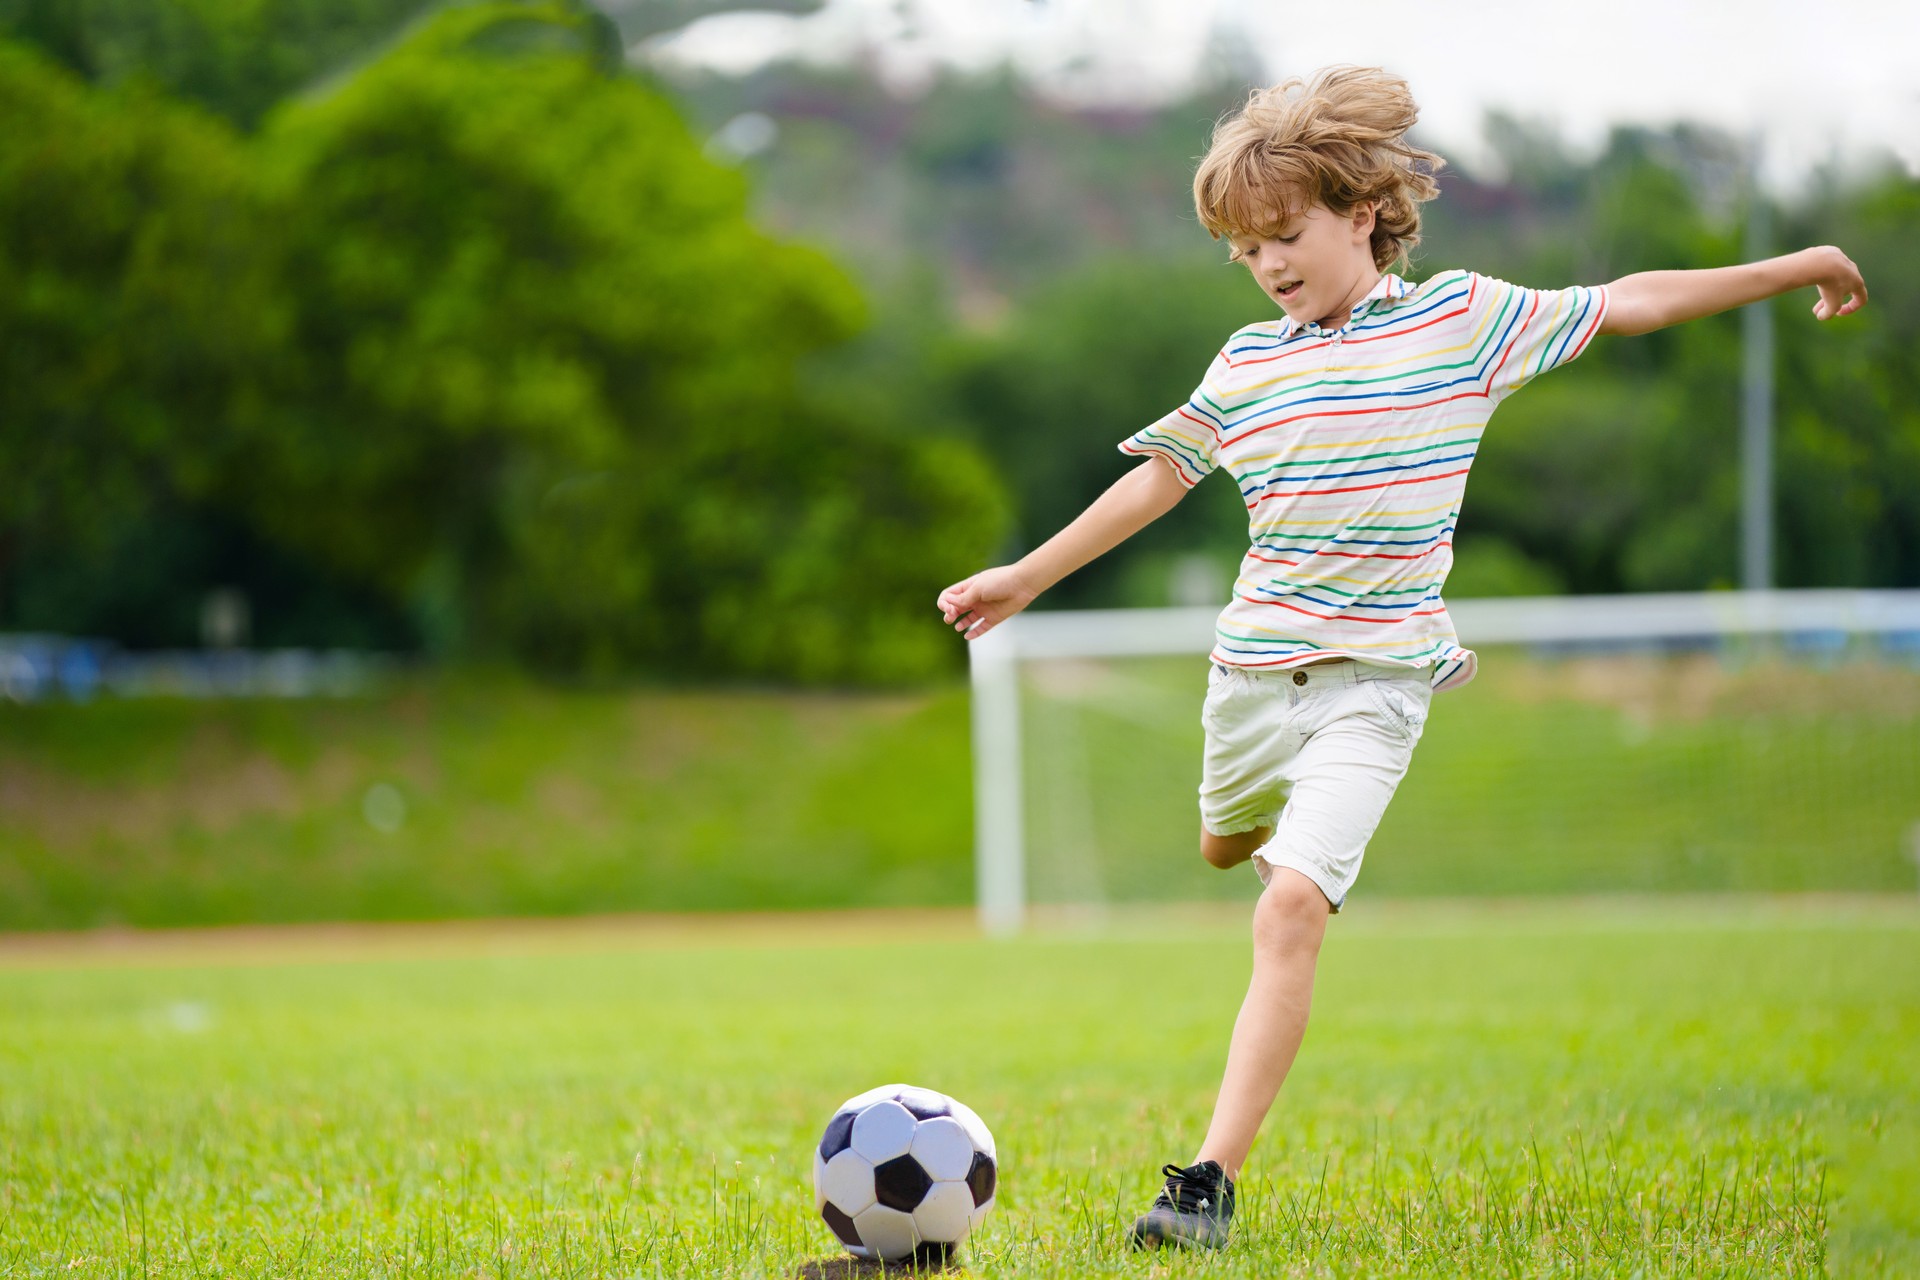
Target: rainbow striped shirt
x=1351 y=449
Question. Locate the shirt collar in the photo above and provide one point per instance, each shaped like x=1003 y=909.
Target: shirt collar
x=1389 y=286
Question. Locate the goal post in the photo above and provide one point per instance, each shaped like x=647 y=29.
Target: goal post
x=1703 y=620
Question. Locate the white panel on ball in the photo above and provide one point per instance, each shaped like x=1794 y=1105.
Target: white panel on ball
x=883 y=1131
x=888 y=1232
x=946 y=1214
x=872 y=1096
x=975 y=1127
x=848 y=1182
x=943 y=1148
x=819 y=1181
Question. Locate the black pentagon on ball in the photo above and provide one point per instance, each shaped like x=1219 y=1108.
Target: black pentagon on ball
x=901 y=1183
x=842 y=1225
x=839 y=1135
x=981 y=1178
x=924 y=1104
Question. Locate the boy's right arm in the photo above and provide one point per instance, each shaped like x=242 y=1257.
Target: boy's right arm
x=978 y=604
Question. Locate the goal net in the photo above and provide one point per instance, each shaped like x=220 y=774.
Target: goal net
x=1760 y=741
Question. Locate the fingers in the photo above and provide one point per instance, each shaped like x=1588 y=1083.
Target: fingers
x=976 y=605
x=1856 y=296
x=1846 y=294
x=978 y=627
x=1831 y=307
x=956 y=599
x=957 y=607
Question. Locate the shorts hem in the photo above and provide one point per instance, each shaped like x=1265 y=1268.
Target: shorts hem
x=1234 y=828
x=1330 y=887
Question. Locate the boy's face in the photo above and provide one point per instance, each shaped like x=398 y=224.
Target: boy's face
x=1315 y=263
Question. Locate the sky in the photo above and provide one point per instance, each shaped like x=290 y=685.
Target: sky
x=1812 y=81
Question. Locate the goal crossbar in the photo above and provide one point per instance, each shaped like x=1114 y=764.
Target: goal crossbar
x=999 y=818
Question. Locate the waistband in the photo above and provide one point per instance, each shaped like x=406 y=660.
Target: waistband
x=1344 y=673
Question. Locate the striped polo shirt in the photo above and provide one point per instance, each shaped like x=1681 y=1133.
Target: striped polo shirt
x=1351 y=448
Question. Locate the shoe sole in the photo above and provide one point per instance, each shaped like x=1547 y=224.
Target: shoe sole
x=1152 y=1237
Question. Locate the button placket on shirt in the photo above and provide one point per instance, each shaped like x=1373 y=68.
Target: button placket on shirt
x=1330 y=340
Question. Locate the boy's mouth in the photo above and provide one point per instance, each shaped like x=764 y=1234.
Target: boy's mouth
x=1287 y=291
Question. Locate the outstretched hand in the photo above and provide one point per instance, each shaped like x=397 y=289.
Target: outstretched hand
x=1842 y=291
x=976 y=605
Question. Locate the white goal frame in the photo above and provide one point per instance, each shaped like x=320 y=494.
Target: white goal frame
x=1000 y=863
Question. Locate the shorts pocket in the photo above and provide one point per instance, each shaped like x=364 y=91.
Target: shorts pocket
x=1405 y=711
x=1220 y=686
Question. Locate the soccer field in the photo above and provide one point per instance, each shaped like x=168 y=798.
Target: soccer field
x=1574 y=1087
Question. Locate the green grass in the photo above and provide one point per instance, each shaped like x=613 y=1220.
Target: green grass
x=1597 y=775
x=1563 y=1088
x=1617 y=774
x=518 y=800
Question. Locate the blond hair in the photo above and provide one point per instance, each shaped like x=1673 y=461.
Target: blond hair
x=1338 y=139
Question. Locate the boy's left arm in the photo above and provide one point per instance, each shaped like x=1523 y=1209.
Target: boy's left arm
x=1655 y=299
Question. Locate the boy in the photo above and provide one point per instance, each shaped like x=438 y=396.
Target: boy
x=1349 y=425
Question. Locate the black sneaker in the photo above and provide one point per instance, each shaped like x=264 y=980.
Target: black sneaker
x=1195 y=1207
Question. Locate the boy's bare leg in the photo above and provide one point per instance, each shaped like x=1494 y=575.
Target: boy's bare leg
x=1227 y=852
x=1289 y=922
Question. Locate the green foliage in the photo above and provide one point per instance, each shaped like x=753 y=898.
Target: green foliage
x=124 y=280
x=1084 y=363
x=1850 y=401
x=235 y=57
x=482 y=331
x=1487 y=567
x=466 y=340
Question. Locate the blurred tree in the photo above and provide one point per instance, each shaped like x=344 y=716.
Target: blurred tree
x=237 y=57
x=1619 y=472
x=536 y=374
x=1087 y=361
x=473 y=328
x=479 y=331
x=125 y=221
x=1849 y=398
x=240 y=57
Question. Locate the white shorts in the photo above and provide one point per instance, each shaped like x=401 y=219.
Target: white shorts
x=1314 y=752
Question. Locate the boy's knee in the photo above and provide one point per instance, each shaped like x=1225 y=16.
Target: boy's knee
x=1291 y=914
x=1227 y=852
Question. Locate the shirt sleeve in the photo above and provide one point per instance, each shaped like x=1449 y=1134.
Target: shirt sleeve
x=1519 y=333
x=1189 y=437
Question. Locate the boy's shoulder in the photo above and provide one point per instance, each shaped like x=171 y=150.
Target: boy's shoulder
x=1440 y=296
x=1259 y=331
x=1250 y=340
x=1441 y=284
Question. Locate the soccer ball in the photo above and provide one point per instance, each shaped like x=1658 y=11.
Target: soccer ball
x=900 y=1168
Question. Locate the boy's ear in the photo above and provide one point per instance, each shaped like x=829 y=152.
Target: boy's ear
x=1362 y=218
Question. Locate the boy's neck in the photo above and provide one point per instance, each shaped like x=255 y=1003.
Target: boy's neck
x=1361 y=288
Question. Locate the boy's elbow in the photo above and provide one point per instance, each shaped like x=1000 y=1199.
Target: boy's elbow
x=1627 y=317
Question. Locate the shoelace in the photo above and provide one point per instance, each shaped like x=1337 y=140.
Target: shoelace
x=1189 y=1192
